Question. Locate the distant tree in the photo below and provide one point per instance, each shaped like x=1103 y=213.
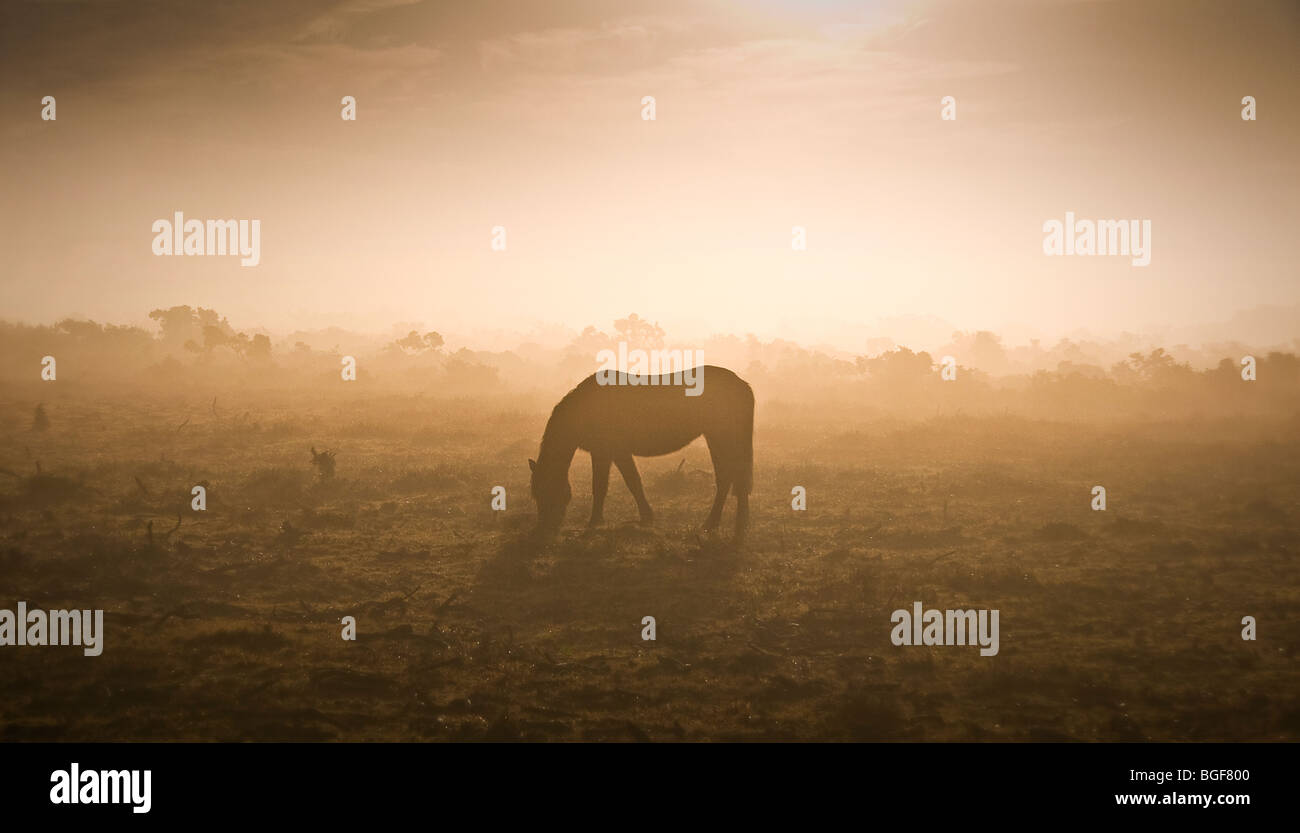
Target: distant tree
x=639 y=333
x=1283 y=366
x=897 y=366
x=413 y=342
x=177 y=324
x=589 y=343
x=1149 y=366
x=80 y=330
x=987 y=352
x=209 y=318
x=1067 y=369
x=215 y=336
x=981 y=349
x=40 y=422
x=260 y=348
x=197 y=330
x=1157 y=366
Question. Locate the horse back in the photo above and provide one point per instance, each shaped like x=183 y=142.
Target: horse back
x=660 y=417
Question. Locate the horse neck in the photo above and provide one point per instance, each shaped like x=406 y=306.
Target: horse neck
x=559 y=444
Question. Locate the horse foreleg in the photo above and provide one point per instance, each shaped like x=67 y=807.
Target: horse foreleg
x=633 y=479
x=599 y=486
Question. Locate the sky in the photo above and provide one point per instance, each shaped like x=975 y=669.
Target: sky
x=769 y=115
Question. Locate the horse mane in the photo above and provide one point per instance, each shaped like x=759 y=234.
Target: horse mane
x=554 y=440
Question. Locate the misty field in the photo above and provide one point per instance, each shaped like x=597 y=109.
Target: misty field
x=1122 y=624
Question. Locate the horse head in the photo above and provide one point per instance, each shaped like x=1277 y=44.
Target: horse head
x=550 y=488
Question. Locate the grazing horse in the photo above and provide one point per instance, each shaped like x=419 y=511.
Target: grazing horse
x=646 y=416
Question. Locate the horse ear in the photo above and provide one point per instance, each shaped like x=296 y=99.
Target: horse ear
x=532 y=464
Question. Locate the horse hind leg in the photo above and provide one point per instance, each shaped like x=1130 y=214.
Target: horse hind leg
x=719 y=501
x=732 y=465
x=742 y=513
x=723 y=477
x=745 y=470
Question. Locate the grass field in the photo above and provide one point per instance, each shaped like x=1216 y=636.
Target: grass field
x=1115 y=625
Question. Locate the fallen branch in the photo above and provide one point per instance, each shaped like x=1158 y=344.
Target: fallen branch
x=937 y=559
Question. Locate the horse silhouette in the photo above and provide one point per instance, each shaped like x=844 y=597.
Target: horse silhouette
x=646 y=416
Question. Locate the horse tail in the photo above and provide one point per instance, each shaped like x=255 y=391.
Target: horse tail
x=745 y=481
